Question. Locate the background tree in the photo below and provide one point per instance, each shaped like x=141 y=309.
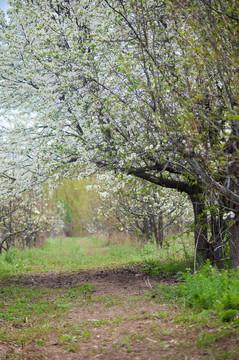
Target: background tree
x=77 y=206
x=110 y=205
x=26 y=221
x=144 y=211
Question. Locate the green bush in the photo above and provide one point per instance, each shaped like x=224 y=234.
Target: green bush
x=229 y=315
x=208 y=290
x=211 y=289
x=169 y=267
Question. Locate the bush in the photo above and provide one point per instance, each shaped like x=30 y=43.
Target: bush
x=211 y=289
x=208 y=290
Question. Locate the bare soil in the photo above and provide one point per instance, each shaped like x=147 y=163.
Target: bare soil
x=117 y=322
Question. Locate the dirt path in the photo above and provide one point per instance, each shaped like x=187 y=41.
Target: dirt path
x=115 y=322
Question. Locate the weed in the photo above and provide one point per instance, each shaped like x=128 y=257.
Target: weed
x=225 y=355
x=40 y=342
x=210 y=292
x=87 y=334
x=229 y=315
x=92 y=352
x=166 y=293
x=206 y=339
x=72 y=347
x=97 y=323
x=211 y=289
x=170 y=267
x=11 y=255
x=129 y=350
x=162 y=315
x=117 y=320
x=65 y=339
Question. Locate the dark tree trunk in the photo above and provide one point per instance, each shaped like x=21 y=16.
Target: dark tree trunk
x=159 y=236
x=234 y=244
x=202 y=246
x=8 y=243
x=234 y=227
x=146 y=233
x=217 y=239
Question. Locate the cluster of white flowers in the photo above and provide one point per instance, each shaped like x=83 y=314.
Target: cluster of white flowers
x=111 y=85
x=229 y=214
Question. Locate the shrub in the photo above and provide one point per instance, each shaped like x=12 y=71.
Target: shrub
x=211 y=289
x=206 y=291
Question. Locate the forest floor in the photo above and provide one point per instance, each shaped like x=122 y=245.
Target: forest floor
x=113 y=317
x=76 y=299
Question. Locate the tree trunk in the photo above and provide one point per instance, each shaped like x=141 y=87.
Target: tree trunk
x=234 y=244
x=234 y=228
x=202 y=246
x=146 y=233
x=217 y=238
x=158 y=226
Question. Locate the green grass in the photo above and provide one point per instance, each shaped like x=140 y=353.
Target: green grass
x=209 y=292
x=76 y=254
x=31 y=311
x=206 y=303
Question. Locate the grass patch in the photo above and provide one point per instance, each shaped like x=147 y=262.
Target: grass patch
x=169 y=267
x=208 y=292
x=76 y=254
x=205 y=339
x=28 y=315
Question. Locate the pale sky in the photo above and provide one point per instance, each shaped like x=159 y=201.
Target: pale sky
x=3 y=5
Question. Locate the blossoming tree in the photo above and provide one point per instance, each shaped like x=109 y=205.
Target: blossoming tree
x=148 y=88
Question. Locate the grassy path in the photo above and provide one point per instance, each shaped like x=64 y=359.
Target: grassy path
x=109 y=313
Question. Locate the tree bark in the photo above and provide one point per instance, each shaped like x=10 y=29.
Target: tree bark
x=234 y=244
x=159 y=236
x=234 y=228
x=202 y=246
x=217 y=238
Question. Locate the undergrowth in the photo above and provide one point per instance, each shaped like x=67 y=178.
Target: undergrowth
x=209 y=291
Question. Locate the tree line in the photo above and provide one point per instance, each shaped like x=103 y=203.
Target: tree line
x=141 y=88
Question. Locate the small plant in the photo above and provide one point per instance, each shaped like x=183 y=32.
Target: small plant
x=87 y=334
x=229 y=315
x=66 y=338
x=206 y=339
x=72 y=347
x=168 y=293
x=40 y=342
x=97 y=323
